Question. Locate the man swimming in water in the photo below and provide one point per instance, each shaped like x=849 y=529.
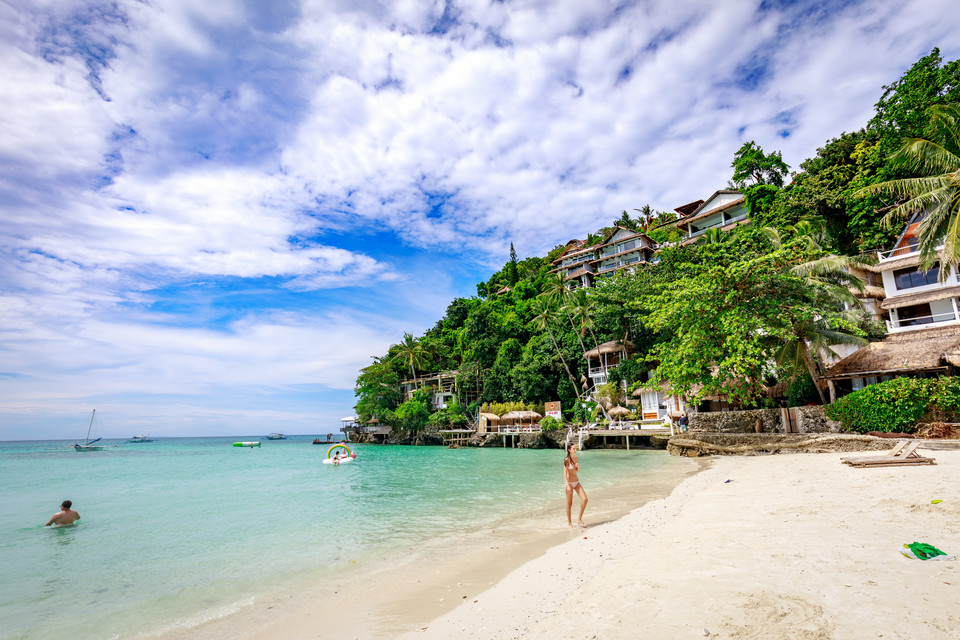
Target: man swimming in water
x=65 y=516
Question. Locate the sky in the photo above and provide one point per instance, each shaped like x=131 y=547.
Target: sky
x=215 y=213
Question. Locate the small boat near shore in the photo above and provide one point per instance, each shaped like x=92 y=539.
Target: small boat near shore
x=88 y=444
x=329 y=440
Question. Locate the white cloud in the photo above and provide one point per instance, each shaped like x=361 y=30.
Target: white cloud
x=333 y=152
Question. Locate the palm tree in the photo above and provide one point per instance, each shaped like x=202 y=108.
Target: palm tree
x=832 y=288
x=555 y=292
x=937 y=191
x=412 y=353
x=816 y=335
x=713 y=236
x=581 y=307
x=542 y=319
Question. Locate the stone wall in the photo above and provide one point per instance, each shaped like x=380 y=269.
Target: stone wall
x=809 y=420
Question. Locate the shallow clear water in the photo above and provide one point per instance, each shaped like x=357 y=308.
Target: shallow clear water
x=184 y=525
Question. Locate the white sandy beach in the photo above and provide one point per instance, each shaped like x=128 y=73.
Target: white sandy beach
x=793 y=546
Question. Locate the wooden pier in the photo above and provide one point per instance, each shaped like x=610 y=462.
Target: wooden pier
x=458 y=437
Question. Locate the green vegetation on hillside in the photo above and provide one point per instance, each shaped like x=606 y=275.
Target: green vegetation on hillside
x=725 y=316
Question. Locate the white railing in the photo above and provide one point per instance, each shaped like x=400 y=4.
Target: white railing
x=897 y=252
x=920 y=322
x=722 y=223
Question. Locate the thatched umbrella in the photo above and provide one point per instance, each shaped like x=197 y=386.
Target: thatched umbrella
x=618 y=412
x=520 y=416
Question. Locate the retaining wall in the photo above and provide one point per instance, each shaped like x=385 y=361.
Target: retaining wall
x=807 y=420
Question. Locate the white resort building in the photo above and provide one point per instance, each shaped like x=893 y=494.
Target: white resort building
x=622 y=249
x=724 y=210
x=923 y=338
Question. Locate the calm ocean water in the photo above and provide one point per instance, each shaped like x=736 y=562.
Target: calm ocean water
x=188 y=527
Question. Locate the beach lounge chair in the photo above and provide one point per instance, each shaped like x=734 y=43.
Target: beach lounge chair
x=908 y=456
x=896 y=451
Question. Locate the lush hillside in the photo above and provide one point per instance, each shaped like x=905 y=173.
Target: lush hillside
x=710 y=317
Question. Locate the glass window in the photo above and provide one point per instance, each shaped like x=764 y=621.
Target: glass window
x=914 y=277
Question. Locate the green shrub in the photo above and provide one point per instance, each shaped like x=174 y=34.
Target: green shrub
x=894 y=405
x=549 y=423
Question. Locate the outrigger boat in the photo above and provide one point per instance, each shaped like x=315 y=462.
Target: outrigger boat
x=88 y=444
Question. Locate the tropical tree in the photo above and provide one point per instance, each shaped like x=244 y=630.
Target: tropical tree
x=750 y=163
x=816 y=333
x=412 y=353
x=555 y=293
x=543 y=315
x=580 y=308
x=936 y=192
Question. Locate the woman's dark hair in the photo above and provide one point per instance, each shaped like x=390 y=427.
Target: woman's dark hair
x=570 y=445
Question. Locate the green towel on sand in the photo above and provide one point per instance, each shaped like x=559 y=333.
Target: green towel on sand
x=924 y=551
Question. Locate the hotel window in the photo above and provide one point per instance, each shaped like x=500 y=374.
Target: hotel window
x=913 y=277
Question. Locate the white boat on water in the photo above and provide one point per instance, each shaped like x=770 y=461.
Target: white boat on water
x=276 y=436
x=141 y=438
x=88 y=444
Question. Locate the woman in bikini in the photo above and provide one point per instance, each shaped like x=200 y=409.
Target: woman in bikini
x=571 y=465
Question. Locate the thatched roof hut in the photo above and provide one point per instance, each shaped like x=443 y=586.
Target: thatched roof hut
x=934 y=350
x=490 y=417
x=619 y=411
x=614 y=346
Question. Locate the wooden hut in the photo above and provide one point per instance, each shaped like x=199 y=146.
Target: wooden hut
x=488 y=422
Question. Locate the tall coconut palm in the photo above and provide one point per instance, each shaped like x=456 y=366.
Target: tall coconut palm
x=556 y=294
x=412 y=353
x=581 y=307
x=936 y=160
x=542 y=319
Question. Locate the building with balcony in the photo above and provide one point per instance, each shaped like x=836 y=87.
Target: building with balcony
x=724 y=210
x=444 y=389
x=622 y=248
x=915 y=297
x=923 y=326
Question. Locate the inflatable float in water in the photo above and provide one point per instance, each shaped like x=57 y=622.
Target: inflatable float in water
x=246 y=444
x=341 y=457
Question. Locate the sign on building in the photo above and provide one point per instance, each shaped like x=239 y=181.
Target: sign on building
x=552 y=409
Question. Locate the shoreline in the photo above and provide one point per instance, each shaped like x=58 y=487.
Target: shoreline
x=406 y=594
x=793 y=546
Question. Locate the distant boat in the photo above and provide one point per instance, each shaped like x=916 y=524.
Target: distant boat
x=276 y=436
x=141 y=438
x=88 y=444
x=329 y=440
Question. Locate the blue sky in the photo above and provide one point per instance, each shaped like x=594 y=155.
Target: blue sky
x=215 y=213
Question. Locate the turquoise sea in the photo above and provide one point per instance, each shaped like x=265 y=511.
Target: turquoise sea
x=187 y=529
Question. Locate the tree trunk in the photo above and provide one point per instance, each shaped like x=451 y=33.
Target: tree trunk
x=565 y=367
x=811 y=367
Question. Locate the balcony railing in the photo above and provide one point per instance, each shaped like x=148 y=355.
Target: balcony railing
x=722 y=223
x=920 y=322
